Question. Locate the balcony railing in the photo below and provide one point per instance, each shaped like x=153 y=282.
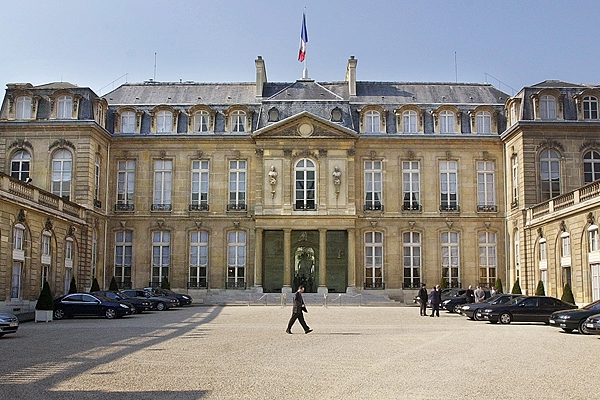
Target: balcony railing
x=199 y=207
x=570 y=200
x=201 y=284
x=373 y=207
x=487 y=208
x=161 y=207
x=449 y=207
x=298 y=206
x=415 y=284
x=124 y=285
x=236 y=207
x=411 y=207
x=377 y=285
x=124 y=207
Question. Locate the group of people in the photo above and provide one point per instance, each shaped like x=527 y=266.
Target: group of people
x=473 y=296
x=477 y=296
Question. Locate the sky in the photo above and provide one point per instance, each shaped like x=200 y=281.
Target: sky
x=103 y=44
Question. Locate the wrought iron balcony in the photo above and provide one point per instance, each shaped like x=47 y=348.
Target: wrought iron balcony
x=373 y=207
x=449 y=207
x=199 y=207
x=201 y=284
x=411 y=207
x=161 y=207
x=236 y=207
x=377 y=285
x=481 y=208
x=124 y=207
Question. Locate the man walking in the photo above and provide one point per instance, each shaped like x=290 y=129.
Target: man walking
x=297 y=310
x=422 y=297
x=436 y=299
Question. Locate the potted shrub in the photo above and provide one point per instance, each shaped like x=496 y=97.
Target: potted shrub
x=165 y=284
x=516 y=288
x=95 y=286
x=443 y=284
x=113 y=285
x=498 y=285
x=44 y=307
x=539 y=291
x=567 y=295
x=73 y=286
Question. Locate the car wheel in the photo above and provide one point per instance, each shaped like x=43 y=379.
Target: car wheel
x=457 y=308
x=161 y=306
x=110 y=313
x=505 y=318
x=59 y=314
x=475 y=317
x=581 y=327
x=568 y=330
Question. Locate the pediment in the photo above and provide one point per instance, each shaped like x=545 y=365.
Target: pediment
x=305 y=126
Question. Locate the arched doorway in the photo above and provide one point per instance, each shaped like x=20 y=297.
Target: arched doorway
x=304 y=269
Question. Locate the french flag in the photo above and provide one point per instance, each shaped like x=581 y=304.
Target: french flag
x=303 y=39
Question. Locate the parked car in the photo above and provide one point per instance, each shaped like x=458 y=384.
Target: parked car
x=184 y=299
x=454 y=303
x=9 y=323
x=523 y=309
x=140 y=305
x=161 y=303
x=570 y=320
x=90 y=304
x=592 y=324
x=470 y=310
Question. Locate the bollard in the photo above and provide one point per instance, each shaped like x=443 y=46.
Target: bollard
x=325 y=300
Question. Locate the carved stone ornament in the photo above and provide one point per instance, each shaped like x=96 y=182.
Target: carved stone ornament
x=540 y=232
x=48 y=224
x=590 y=218
x=563 y=226
x=411 y=224
x=123 y=223
x=449 y=224
x=373 y=224
x=160 y=223
x=337 y=179
x=199 y=153
x=21 y=216
x=487 y=224
x=198 y=224
x=236 y=224
x=71 y=231
x=259 y=152
x=273 y=180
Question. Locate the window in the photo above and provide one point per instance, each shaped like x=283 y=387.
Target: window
x=590 y=107
x=125 y=185
x=513 y=113
x=94 y=252
x=565 y=245
x=484 y=122
x=24 y=108
x=448 y=186
x=97 y=179
x=412 y=259
x=128 y=122
x=19 y=238
x=446 y=122
x=200 y=173
x=487 y=258
x=373 y=260
x=373 y=173
x=593 y=238
x=46 y=258
x=236 y=260
x=161 y=256
x=164 y=121
x=450 y=258
x=486 y=200
x=123 y=258
x=237 y=185
x=65 y=107
x=238 y=121
x=68 y=263
x=411 y=185
x=515 y=181
x=45 y=275
x=162 y=185
x=409 y=122
x=517 y=255
x=305 y=193
x=198 y=259
x=543 y=250
x=591 y=166
x=19 y=166
x=61 y=173
x=201 y=121
x=548 y=106
x=566 y=276
x=550 y=174
x=372 y=122
x=595 y=275
x=16 y=281
x=544 y=279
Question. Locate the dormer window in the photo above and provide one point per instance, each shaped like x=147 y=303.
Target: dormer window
x=201 y=121
x=24 y=108
x=372 y=119
x=590 y=107
x=273 y=115
x=128 y=122
x=164 y=121
x=548 y=107
x=65 y=107
x=372 y=122
x=484 y=122
x=238 y=121
x=409 y=122
x=446 y=122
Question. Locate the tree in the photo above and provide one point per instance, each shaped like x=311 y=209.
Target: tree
x=540 y=289
x=516 y=288
x=45 y=301
x=95 y=286
x=73 y=286
x=567 y=295
x=165 y=284
x=498 y=285
x=113 y=284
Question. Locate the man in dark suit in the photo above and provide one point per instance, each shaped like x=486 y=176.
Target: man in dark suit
x=436 y=299
x=423 y=300
x=297 y=310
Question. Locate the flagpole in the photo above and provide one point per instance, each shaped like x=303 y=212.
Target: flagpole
x=303 y=43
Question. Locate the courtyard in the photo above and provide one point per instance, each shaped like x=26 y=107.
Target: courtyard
x=241 y=352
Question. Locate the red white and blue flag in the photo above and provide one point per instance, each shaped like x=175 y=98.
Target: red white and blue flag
x=303 y=40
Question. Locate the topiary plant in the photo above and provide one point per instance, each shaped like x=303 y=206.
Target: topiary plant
x=113 y=284
x=73 y=286
x=443 y=284
x=95 y=286
x=165 y=284
x=567 y=295
x=539 y=291
x=516 y=288
x=498 y=285
x=45 y=301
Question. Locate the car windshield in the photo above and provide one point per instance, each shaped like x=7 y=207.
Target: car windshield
x=125 y=296
x=514 y=301
x=595 y=306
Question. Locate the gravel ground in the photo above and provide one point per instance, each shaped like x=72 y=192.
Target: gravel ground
x=242 y=352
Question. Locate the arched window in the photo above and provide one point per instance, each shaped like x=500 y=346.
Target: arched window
x=484 y=122
x=550 y=174
x=305 y=193
x=372 y=122
x=446 y=122
x=24 y=107
x=201 y=121
x=128 y=122
x=565 y=248
x=46 y=257
x=590 y=107
x=238 y=121
x=591 y=166
x=65 y=107
x=164 y=121
x=61 y=173
x=548 y=106
x=409 y=122
x=373 y=260
x=198 y=259
x=19 y=166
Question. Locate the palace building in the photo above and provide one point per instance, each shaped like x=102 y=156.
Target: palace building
x=345 y=187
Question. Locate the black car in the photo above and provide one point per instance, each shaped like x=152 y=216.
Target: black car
x=160 y=303
x=570 y=320
x=455 y=302
x=470 y=309
x=184 y=299
x=90 y=304
x=140 y=305
x=523 y=309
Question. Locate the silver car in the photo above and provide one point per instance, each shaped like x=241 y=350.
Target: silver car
x=592 y=324
x=9 y=323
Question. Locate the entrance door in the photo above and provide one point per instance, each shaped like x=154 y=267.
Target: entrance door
x=305 y=260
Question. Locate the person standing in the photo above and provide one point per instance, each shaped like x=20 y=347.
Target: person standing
x=297 y=309
x=479 y=295
x=422 y=297
x=436 y=299
x=470 y=295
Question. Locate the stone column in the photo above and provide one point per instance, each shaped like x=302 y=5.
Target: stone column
x=351 y=262
x=322 y=261
x=287 y=260
x=258 y=261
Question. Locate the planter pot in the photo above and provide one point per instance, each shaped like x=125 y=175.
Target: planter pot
x=43 y=315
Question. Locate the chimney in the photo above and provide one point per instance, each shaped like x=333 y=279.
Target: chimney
x=351 y=76
x=261 y=75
